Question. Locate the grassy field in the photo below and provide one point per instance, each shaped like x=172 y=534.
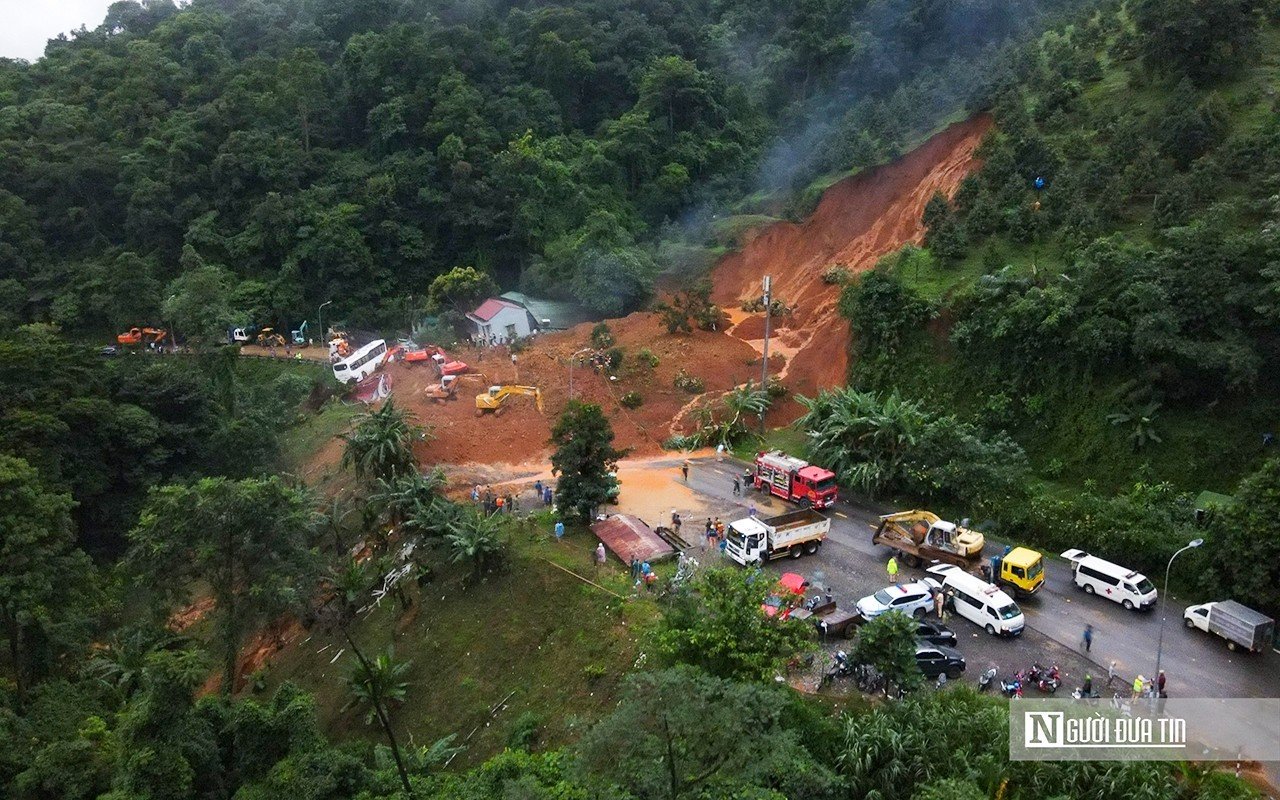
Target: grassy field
x=554 y=646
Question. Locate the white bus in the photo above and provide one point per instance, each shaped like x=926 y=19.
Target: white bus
x=362 y=363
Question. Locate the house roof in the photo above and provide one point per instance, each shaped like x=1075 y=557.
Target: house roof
x=562 y=314
x=490 y=308
x=628 y=536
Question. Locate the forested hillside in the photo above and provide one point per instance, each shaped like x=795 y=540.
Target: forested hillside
x=326 y=150
x=1105 y=290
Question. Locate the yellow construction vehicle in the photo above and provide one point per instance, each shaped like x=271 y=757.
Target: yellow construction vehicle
x=267 y=337
x=922 y=536
x=494 y=399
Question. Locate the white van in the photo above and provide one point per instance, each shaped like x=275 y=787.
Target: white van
x=982 y=603
x=1112 y=581
x=362 y=363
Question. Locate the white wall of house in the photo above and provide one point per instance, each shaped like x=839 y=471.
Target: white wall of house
x=505 y=325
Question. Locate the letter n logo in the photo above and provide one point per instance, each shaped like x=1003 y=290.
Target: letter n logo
x=1042 y=728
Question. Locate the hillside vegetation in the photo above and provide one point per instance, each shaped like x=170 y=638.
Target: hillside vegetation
x=282 y=153
x=1119 y=320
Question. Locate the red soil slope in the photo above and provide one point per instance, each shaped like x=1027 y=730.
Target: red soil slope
x=858 y=220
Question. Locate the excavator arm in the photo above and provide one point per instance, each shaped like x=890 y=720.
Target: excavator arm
x=496 y=397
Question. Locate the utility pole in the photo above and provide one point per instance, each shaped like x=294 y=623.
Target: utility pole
x=764 y=361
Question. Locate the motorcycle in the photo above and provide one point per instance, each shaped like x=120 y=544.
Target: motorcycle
x=841 y=669
x=1050 y=681
x=1012 y=688
x=984 y=680
x=1080 y=694
x=1046 y=681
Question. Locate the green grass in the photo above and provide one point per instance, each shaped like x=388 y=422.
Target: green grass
x=301 y=442
x=788 y=439
x=556 y=645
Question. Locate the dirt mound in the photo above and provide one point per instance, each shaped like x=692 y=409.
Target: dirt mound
x=857 y=221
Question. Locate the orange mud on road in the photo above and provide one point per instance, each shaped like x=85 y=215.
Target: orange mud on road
x=858 y=220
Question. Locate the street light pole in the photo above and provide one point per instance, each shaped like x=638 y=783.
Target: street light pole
x=320 y=321
x=1164 y=602
x=764 y=361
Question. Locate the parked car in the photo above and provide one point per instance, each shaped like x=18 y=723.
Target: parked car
x=932 y=632
x=934 y=660
x=912 y=599
x=787 y=594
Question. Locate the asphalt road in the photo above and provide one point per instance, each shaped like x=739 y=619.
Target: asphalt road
x=1196 y=664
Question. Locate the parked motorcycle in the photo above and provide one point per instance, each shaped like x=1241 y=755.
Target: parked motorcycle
x=842 y=668
x=1046 y=680
x=985 y=679
x=1012 y=688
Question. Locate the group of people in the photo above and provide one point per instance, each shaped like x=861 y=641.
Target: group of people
x=494 y=503
x=642 y=573
x=715 y=534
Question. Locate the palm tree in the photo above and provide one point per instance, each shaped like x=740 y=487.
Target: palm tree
x=123 y=662
x=381 y=446
x=404 y=496
x=377 y=685
x=476 y=538
x=1142 y=419
x=332 y=521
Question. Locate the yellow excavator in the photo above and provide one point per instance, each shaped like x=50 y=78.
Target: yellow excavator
x=267 y=337
x=494 y=399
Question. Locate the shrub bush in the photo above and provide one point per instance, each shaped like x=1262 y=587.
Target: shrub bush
x=689 y=383
x=631 y=400
x=602 y=336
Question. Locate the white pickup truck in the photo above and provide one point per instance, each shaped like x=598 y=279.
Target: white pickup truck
x=755 y=541
x=1241 y=626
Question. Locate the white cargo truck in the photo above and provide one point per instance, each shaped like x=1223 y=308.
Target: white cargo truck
x=755 y=541
x=1241 y=626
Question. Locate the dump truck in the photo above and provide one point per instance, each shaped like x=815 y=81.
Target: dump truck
x=794 y=480
x=922 y=536
x=1241 y=626
x=755 y=541
x=1019 y=571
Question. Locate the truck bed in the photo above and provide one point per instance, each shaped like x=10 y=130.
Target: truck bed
x=794 y=519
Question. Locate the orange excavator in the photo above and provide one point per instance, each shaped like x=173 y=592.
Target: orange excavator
x=146 y=336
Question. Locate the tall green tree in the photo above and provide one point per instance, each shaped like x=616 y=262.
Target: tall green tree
x=476 y=538
x=199 y=304
x=44 y=578
x=1246 y=530
x=378 y=685
x=380 y=448
x=681 y=733
x=247 y=541
x=460 y=289
x=718 y=626
x=583 y=458
x=888 y=643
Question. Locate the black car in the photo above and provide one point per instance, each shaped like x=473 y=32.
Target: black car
x=930 y=632
x=934 y=660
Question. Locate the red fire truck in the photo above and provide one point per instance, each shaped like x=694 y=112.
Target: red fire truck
x=794 y=480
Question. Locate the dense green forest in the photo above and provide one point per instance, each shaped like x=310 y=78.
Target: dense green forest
x=1088 y=338
x=245 y=160
x=298 y=151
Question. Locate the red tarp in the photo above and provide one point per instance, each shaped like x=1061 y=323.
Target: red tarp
x=628 y=536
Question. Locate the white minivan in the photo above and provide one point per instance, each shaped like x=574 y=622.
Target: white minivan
x=982 y=603
x=1112 y=581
